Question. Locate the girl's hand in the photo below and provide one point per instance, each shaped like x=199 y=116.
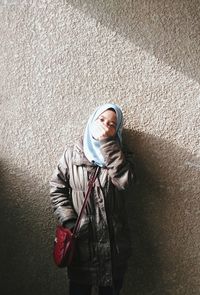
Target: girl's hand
x=101 y=131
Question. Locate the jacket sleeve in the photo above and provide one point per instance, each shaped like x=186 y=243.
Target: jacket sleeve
x=60 y=193
x=120 y=164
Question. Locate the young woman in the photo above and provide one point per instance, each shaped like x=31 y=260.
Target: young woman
x=103 y=244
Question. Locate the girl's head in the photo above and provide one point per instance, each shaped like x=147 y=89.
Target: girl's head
x=108 y=117
x=106 y=123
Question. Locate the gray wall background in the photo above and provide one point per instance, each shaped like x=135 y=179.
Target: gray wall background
x=58 y=61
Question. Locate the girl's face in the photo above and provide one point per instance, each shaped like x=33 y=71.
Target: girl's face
x=107 y=121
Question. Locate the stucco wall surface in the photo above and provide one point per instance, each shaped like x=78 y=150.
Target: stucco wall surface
x=58 y=61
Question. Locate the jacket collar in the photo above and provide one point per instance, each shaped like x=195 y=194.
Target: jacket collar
x=79 y=157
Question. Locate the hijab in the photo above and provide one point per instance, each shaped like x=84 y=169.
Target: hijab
x=91 y=146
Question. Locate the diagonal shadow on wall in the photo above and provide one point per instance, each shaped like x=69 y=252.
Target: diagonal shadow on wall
x=27 y=234
x=168 y=30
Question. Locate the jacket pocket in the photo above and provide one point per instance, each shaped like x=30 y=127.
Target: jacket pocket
x=83 y=252
x=121 y=239
x=83 y=244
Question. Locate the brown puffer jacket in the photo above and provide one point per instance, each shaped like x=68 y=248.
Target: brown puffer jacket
x=103 y=244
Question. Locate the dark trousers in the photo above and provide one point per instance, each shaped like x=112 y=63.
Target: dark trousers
x=76 y=289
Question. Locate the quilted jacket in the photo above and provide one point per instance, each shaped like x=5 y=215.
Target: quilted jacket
x=103 y=242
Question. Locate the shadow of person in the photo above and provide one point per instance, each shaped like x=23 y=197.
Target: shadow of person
x=163 y=209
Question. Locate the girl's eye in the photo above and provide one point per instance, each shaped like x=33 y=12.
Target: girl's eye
x=111 y=125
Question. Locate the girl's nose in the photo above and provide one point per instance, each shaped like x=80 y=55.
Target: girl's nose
x=107 y=123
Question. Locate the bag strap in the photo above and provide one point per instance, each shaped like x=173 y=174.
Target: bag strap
x=87 y=195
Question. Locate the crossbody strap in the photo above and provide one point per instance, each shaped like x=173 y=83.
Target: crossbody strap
x=87 y=195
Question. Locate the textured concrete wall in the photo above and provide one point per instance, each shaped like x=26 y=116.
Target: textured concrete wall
x=58 y=61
